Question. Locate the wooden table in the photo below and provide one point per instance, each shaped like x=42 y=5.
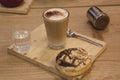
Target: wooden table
x=106 y=67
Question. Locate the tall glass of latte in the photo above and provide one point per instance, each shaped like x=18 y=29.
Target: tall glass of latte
x=56 y=24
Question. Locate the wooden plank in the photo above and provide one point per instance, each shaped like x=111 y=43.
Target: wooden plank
x=42 y=56
x=22 y=9
x=73 y=3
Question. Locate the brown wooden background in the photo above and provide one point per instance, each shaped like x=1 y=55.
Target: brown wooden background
x=107 y=66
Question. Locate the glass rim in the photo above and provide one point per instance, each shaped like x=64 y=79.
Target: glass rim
x=43 y=14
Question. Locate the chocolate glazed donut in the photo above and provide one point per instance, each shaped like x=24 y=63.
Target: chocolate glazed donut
x=73 y=62
x=11 y=3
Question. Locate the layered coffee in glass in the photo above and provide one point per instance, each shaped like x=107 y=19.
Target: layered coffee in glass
x=56 y=24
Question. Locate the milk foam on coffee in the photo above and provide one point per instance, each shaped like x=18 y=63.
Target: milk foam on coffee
x=56 y=14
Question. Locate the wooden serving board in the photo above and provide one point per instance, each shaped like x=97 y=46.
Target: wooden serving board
x=22 y=9
x=41 y=55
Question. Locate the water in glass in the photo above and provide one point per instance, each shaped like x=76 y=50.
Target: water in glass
x=22 y=40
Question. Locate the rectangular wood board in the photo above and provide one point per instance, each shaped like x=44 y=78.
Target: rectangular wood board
x=22 y=9
x=41 y=55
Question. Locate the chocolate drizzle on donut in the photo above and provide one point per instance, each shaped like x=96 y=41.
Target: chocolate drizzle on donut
x=74 y=61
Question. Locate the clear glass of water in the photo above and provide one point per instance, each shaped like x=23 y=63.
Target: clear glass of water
x=22 y=40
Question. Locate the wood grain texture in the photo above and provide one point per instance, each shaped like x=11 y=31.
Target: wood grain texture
x=105 y=68
x=74 y=3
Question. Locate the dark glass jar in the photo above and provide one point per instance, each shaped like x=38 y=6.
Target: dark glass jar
x=98 y=18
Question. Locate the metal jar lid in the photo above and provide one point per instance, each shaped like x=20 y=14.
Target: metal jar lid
x=98 y=18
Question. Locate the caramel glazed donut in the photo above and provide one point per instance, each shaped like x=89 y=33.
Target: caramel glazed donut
x=73 y=62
